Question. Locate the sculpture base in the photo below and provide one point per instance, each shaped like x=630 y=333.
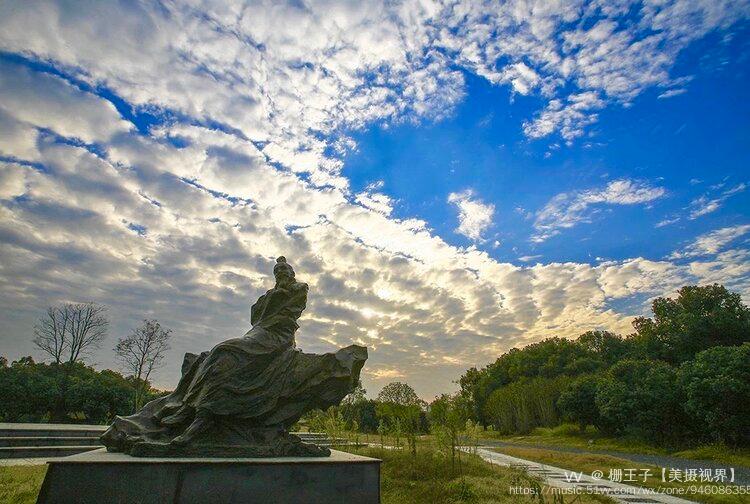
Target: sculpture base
x=102 y=478
x=282 y=445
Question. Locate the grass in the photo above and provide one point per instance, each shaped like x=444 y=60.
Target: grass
x=428 y=479
x=718 y=453
x=20 y=484
x=591 y=462
x=568 y=435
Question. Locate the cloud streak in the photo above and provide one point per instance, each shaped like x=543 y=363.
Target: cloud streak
x=567 y=210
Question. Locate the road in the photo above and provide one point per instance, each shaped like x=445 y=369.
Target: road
x=570 y=482
x=741 y=474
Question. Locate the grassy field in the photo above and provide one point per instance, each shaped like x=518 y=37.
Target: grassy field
x=590 y=462
x=570 y=436
x=20 y=484
x=428 y=479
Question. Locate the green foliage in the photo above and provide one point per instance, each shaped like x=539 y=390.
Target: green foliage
x=606 y=347
x=399 y=393
x=448 y=417
x=525 y=404
x=549 y=358
x=577 y=401
x=29 y=391
x=716 y=386
x=99 y=396
x=698 y=319
x=356 y=408
x=401 y=409
x=630 y=386
x=33 y=392
x=641 y=397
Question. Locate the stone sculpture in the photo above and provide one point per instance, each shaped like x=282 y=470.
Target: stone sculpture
x=241 y=398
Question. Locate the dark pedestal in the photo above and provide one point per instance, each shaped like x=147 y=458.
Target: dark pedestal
x=99 y=477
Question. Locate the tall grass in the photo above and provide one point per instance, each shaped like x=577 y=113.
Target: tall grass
x=429 y=479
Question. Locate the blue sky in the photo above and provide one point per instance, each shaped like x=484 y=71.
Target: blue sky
x=687 y=144
x=452 y=179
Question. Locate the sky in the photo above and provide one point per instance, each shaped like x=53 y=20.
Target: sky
x=453 y=179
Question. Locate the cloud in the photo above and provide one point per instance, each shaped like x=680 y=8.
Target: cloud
x=378 y=202
x=474 y=216
x=322 y=67
x=671 y=93
x=570 y=118
x=667 y=222
x=713 y=242
x=529 y=258
x=12 y=180
x=567 y=210
x=579 y=56
x=705 y=205
x=251 y=108
x=47 y=102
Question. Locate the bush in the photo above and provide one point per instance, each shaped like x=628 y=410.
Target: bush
x=716 y=386
x=640 y=397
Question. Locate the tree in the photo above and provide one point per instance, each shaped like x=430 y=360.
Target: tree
x=716 y=386
x=470 y=390
x=142 y=352
x=356 y=408
x=577 y=401
x=641 y=397
x=97 y=396
x=606 y=346
x=29 y=391
x=547 y=359
x=70 y=331
x=402 y=408
x=67 y=333
x=699 y=318
x=448 y=416
x=399 y=393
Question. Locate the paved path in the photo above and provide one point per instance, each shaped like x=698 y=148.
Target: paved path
x=580 y=483
x=741 y=474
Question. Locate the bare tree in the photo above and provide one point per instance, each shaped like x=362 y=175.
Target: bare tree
x=70 y=331
x=67 y=333
x=142 y=352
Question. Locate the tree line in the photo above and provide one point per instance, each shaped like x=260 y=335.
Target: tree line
x=683 y=376
x=67 y=389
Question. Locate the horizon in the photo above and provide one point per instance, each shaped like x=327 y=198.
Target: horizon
x=451 y=184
